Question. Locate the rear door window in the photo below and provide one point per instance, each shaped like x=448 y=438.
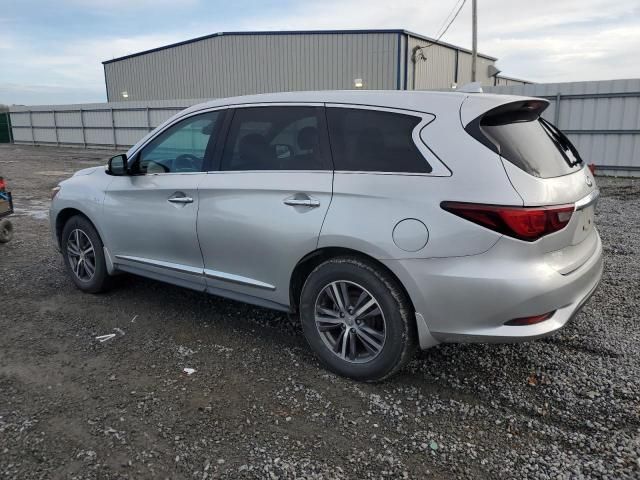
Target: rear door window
x=530 y=142
x=276 y=138
x=374 y=141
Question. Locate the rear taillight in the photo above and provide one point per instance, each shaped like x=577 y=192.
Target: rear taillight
x=524 y=223
x=3 y=185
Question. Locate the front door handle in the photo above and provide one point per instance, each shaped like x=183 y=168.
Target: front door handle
x=305 y=201
x=179 y=197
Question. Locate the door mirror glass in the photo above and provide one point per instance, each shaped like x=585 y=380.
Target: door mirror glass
x=117 y=165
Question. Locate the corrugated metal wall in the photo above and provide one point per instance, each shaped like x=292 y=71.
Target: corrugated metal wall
x=482 y=72
x=434 y=69
x=437 y=68
x=117 y=124
x=230 y=65
x=601 y=118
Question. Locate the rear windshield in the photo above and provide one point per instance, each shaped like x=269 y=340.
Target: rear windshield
x=522 y=137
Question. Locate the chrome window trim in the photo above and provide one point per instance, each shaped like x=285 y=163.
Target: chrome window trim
x=278 y=104
x=330 y=172
x=438 y=168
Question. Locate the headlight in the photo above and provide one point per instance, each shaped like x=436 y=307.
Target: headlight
x=54 y=192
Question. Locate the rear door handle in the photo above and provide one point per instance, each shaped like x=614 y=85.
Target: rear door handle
x=302 y=202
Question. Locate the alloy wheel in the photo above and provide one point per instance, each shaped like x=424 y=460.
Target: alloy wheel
x=350 y=321
x=82 y=257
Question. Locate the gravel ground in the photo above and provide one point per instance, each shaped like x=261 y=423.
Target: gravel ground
x=260 y=406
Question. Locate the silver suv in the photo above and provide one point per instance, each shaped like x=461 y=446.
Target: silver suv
x=385 y=220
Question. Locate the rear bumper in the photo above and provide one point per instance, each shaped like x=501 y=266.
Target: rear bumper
x=468 y=299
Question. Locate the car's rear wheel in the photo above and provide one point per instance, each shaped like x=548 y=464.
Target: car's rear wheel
x=357 y=319
x=83 y=254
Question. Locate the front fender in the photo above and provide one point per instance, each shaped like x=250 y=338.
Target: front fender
x=83 y=194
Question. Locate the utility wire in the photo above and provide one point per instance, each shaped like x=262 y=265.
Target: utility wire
x=448 y=25
x=446 y=20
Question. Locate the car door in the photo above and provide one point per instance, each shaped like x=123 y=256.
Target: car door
x=150 y=215
x=262 y=210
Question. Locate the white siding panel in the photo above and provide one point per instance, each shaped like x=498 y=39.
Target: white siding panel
x=97 y=118
x=42 y=119
x=20 y=119
x=21 y=135
x=68 y=119
x=129 y=136
x=130 y=118
x=99 y=136
x=70 y=136
x=44 y=135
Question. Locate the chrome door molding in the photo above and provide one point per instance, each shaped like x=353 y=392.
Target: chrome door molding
x=176 y=267
x=213 y=274
x=239 y=279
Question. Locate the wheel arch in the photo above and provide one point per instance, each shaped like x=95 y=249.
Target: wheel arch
x=311 y=260
x=63 y=217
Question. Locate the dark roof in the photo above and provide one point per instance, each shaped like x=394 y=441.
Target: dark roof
x=298 y=32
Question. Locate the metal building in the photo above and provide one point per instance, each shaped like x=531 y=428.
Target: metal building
x=239 y=63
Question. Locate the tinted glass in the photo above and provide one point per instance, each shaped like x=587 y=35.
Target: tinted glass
x=374 y=141
x=182 y=147
x=274 y=138
x=535 y=146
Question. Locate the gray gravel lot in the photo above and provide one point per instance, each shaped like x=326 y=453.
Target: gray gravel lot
x=260 y=406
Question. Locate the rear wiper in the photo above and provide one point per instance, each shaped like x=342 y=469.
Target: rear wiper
x=561 y=141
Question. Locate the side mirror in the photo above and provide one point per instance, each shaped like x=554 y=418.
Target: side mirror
x=117 y=165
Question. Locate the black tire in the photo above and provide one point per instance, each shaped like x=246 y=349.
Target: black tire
x=400 y=338
x=6 y=230
x=100 y=281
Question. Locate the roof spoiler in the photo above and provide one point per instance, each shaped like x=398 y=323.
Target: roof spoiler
x=474 y=107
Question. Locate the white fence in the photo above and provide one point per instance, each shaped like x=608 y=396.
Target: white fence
x=601 y=118
x=106 y=125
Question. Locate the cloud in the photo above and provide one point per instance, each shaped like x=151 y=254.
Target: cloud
x=545 y=40
x=42 y=94
x=122 y=6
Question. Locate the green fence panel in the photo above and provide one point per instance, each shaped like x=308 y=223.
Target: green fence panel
x=5 y=126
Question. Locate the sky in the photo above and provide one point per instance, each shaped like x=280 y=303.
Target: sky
x=51 y=51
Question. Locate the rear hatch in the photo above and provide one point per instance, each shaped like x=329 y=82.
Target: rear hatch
x=543 y=166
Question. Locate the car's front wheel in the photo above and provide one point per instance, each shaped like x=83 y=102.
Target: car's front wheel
x=83 y=254
x=357 y=319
